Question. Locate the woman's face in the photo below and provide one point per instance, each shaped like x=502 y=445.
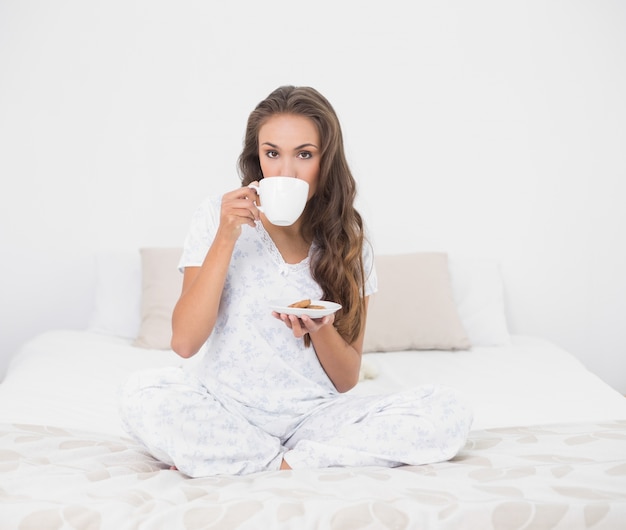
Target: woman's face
x=289 y=145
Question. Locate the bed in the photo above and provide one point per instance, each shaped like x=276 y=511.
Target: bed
x=547 y=448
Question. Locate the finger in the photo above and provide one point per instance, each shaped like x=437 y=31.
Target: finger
x=237 y=220
x=322 y=321
x=285 y=319
x=241 y=200
x=314 y=323
x=250 y=214
x=282 y=317
x=236 y=203
x=296 y=326
x=243 y=192
x=308 y=322
x=240 y=209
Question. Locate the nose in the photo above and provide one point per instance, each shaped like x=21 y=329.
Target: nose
x=287 y=168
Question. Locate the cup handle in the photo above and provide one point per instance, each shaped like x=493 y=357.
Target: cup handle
x=258 y=192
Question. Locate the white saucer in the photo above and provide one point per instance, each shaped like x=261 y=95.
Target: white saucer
x=282 y=306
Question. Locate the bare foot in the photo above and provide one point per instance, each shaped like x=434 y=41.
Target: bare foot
x=173 y=468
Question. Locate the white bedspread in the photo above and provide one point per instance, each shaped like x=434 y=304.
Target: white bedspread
x=548 y=450
x=69 y=379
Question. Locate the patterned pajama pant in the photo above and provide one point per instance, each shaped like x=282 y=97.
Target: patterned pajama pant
x=177 y=419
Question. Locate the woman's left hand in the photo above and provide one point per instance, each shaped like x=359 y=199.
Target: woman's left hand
x=303 y=324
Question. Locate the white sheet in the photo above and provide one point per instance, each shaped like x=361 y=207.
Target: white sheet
x=70 y=378
x=530 y=382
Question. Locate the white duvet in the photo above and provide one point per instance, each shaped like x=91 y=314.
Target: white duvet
x=69 y=379
x=547 y=450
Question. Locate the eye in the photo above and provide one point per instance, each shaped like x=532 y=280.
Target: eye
x=305 y=155
x=271 y=154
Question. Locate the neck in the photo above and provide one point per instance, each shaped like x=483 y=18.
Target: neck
x=288 y=240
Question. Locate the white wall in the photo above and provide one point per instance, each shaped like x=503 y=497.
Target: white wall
x=482 y=128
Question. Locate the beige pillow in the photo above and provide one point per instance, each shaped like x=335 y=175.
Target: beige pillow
x=414 y=307
x=161 y=284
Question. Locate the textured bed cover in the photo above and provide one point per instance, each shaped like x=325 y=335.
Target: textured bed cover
x=568 y=477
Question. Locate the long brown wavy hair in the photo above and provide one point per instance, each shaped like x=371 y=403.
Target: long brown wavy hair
x=330 y=220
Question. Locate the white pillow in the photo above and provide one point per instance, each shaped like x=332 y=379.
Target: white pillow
x=161 y=283
x=476 y=286
x=117 y=309
x=479 y=296
x=414 y=308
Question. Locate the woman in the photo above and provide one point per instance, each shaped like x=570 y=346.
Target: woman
x=269 y=392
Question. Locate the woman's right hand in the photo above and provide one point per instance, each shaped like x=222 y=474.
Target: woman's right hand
x=196 y=311
x=238 y=208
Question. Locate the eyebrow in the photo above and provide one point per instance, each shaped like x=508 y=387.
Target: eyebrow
x=274 y=146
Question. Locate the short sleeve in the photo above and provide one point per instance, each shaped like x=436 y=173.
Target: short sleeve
x=369 y=269
x=202 y=230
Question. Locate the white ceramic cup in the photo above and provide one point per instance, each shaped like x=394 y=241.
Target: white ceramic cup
x=282 y=199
